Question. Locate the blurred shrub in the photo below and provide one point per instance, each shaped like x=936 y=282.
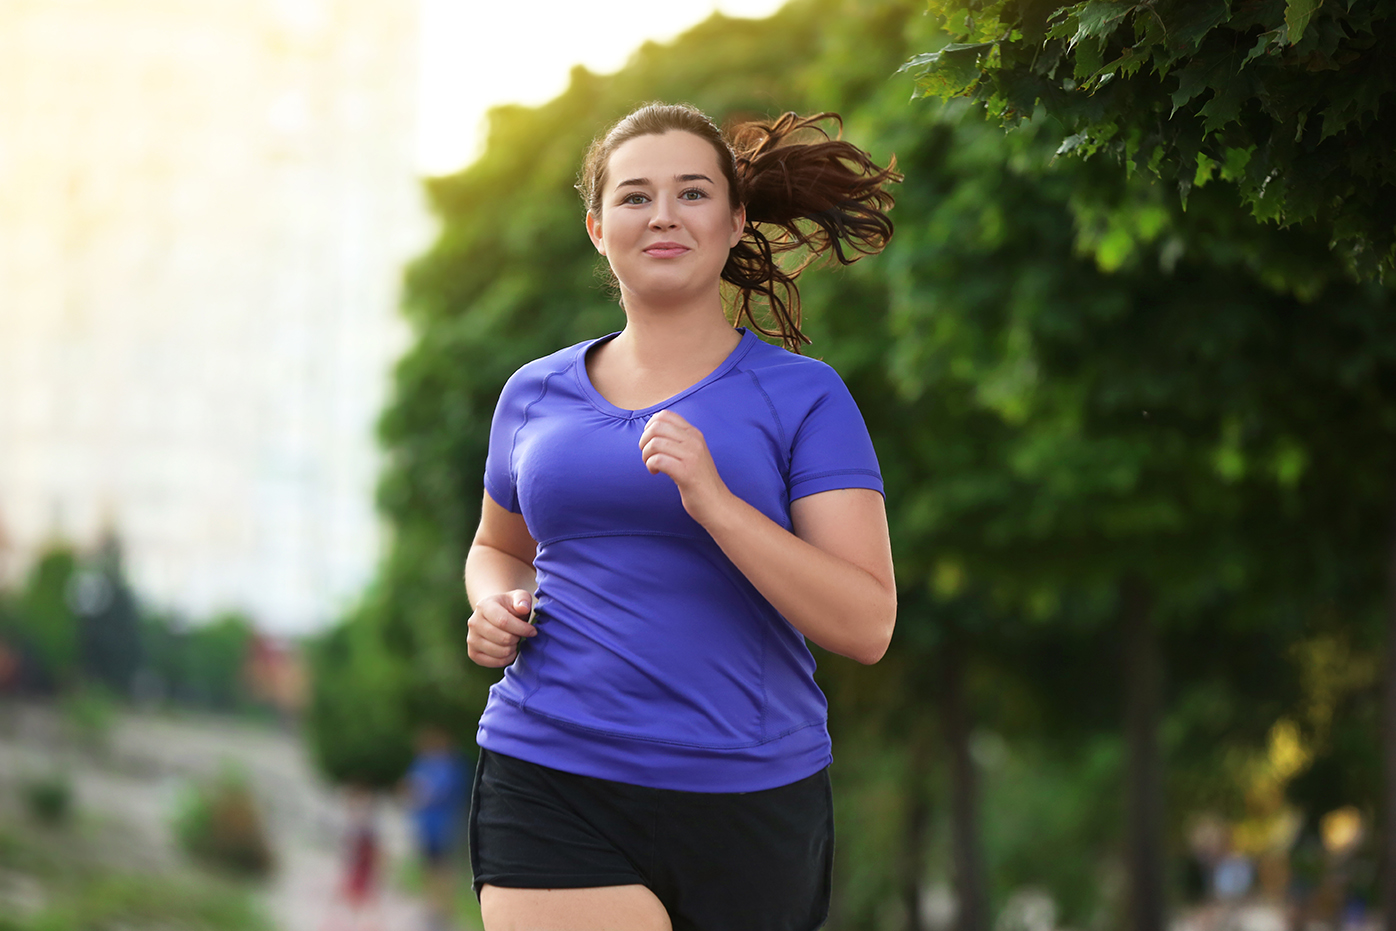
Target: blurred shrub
x=219 y=824
x=90 y=712
x=49 y=799
x=41 y=623
x=357 y=724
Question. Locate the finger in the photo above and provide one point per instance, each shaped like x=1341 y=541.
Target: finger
x=663 y=462
x=481 y=657
x=505 y=621
x=664 y=423
x=520 y=602
x=668 y=416
x=662 y=444
x=489 y=633
x=479 y=643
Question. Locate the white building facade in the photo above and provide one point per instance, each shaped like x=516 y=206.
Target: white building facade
x=205 y=210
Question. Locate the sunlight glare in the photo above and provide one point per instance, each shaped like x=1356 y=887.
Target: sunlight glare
x=476 y=55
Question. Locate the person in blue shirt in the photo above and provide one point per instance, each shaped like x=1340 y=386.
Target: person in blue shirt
x=436 y=787
x=670 y=511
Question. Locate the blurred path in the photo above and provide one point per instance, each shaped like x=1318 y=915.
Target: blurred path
x=148 y=760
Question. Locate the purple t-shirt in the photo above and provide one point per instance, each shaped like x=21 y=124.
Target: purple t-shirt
x=656 y=662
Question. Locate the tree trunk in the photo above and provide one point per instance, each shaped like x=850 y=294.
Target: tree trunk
x=970 y=900
x=918 y=816
x=1388 y=846
x=1144 y=771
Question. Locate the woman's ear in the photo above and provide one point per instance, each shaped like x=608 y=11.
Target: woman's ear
x=594 y=231
x=738 y=226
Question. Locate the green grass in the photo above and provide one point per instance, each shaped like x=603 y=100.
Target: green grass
x=83 y=891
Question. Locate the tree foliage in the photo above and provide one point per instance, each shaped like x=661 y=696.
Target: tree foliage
x=1283 y=98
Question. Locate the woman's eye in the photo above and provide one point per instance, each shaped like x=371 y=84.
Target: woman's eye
x=693 y=194
x=633 y=199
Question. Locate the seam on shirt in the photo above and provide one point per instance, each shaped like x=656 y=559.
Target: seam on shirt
x=563 y=722
x=535 y=657
x=809 y=478
x=765 y=692
x=623 y=533
x=523 y=422
x=775 y=415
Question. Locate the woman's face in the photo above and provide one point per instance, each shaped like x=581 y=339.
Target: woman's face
x=666 y=222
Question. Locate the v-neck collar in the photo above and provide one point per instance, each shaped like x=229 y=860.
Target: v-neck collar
x=606 y=407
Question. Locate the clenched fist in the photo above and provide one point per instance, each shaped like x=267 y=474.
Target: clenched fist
x=498 y=624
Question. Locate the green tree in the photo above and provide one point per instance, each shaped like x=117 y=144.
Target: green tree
x=43 y=622
x=212 y=658
x=1282 y=98
x=109 y=633
x=357 y=722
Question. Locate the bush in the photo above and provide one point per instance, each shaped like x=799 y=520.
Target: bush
x=90 y=712
x=220 y=825
x=49 y=799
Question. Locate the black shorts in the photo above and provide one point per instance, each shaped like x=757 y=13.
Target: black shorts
x=718 y=861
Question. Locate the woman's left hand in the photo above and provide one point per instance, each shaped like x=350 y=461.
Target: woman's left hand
x=674 y=447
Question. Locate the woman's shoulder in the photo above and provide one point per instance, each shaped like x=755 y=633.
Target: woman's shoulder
x=538 y=371
x=776 y=368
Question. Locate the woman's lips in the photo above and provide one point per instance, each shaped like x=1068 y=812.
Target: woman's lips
x=665 y=250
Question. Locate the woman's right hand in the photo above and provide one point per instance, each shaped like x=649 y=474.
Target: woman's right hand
x=498 y=624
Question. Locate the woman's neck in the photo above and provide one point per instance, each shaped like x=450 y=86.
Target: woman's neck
x=658 y=338
x=658 y=356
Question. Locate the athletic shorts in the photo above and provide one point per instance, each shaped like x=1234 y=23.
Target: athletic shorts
x=718 y=861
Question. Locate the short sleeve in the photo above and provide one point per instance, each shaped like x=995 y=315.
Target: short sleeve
x=509 y=415
x=831 y=448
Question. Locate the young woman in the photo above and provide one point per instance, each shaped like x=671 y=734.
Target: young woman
x=670 y=511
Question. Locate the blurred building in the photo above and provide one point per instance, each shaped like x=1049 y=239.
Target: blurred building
x=275 y=674
x=205 y=207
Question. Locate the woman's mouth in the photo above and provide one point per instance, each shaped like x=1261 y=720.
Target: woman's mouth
x=665 y=250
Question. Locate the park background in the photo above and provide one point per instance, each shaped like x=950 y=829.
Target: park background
x=1130 y=382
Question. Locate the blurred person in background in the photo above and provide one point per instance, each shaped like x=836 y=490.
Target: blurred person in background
x=436 y=786
x=681 y=504
x=356 y=906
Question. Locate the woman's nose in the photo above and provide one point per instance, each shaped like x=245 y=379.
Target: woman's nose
x=662 y=217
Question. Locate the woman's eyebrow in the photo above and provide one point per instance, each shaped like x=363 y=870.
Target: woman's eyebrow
x=644 y=182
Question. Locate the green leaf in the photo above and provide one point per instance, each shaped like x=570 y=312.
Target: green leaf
x=1128 y=62
x=1236 y=161
x=1262 y=45
x=932 y=58
x=1205 y=167
x=948 y=72
x=1098 y=18
x=1089 y=61
x=1192 y=81
x=1072 y=143
x=1230 y=91
x=1297 y=16
x=1185 y=34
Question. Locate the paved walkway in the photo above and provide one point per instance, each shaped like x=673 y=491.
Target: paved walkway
x=151 y=758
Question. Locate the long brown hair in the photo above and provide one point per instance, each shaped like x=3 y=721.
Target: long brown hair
x=815 y=193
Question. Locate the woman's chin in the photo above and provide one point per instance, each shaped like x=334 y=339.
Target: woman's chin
x=669 y=290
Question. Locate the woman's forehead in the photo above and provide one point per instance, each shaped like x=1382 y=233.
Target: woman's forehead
x=656 y=158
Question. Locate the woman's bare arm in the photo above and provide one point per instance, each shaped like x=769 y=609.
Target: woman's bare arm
x=499 y=581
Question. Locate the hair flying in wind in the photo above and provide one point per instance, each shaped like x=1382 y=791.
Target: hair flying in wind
x=805 y=192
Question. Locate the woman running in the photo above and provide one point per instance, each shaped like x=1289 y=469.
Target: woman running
x=670 y=511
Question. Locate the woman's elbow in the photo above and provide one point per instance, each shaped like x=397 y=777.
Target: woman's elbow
x=878 y=636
